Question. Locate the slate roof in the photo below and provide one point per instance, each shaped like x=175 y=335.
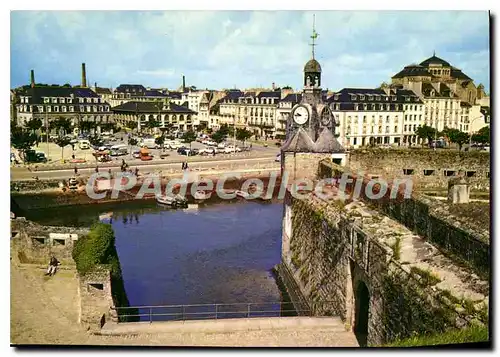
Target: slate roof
x=371 y=95
x=328 y=143
x=300 y=142
x=442 y=91
x=458 y=74
x=151 y=107
x=232 y=95
x=274 y=94
x=294 y=98
x=413 y=70
x=131 y=88
x=434 y=60
x=37 y=93
x=154 y=93
x=101 y=90
x=174 y=95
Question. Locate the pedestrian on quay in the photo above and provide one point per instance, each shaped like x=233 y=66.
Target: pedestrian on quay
x=97 y=169
x=136 y=171
x=109 y=172
x=76 y=170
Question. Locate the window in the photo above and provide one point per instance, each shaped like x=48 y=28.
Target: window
x=46 y=100
x=355 y=141
x=61 y=100
x=362 y=97
x=364 y=119
x=405 y=128
x=387 y=119
x=64 y=109
x=408 y=171
x=448 y=173
x=71 y=108
x=428 y=172
x=54 y=100
x=49 y=108
x=470 y=173
x=387 y=128
x=395 y=128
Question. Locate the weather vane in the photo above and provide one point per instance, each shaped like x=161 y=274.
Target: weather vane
x=314 y=35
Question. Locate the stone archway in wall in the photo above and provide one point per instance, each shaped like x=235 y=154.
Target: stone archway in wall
x=361 y=312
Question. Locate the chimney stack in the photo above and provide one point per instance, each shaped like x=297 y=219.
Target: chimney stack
x=84 y=76
x=32 y=78
x=274 y=86
x=183 y=83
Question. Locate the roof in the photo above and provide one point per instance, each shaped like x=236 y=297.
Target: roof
x=328 y=143
x=274 y=94
x=174 y=95
x=372 y=96
x=413 y=70
x=441 y=91
x=435 y=60
x=300 y=142
x=130 y=88
x=293 y=98
x=232 y=95
x=154 y=93
x=151 y=107
x=37 y=93
x=458 y=74
x=312 y=66
x=101 y=90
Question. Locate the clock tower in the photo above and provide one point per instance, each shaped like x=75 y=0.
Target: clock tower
x=311 y=124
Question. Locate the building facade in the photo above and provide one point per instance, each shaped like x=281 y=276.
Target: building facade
x=168 y=115
x=450 y=96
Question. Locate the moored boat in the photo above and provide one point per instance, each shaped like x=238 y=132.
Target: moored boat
x=172 y=201
x=201 y=195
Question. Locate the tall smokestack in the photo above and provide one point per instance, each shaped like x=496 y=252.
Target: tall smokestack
x=274 y=86
x=183 y=83
x=32 y=78
x=84 y=76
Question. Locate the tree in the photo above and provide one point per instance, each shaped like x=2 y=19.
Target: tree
x=130 y=124
x=243 y=134
x=426 y=132
x=61 y=124
x=458 y=137
x=159 y=140
x=153 y=123
x=95 y=140
x=62 y=141
x=482 y=136
x=132 y=142
x=87 y=125
x=218 y=137
x=189 y=137
x=21 y=139
x=34 y=124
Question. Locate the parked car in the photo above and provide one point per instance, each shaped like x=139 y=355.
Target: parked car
x=278 y=158
x=84 y=144
x=119 y=150
x=33 y=156
x=186 y=152
x=231 y=148
x=221 y=146
x=136 y=154
x=209 y=151
x=149 y=143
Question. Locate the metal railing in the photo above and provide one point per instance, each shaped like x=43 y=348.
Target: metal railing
x=212 y=311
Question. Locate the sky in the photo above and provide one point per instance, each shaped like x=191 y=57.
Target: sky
x=243 y=49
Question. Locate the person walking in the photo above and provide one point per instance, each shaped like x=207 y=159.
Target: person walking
x=76 y=170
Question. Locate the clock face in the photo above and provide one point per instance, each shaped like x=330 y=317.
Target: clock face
x=301 y=115
x=325 y=117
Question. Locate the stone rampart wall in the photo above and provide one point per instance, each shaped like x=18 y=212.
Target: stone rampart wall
x=460 y=238
x=427 y=168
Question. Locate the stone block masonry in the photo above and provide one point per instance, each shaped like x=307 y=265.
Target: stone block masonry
x=37 y=243
x=384 y=281
x=465 y=240
x=429 y=169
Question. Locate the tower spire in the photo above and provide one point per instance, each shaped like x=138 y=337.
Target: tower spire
x=434 y=53
x=314 y=35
